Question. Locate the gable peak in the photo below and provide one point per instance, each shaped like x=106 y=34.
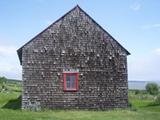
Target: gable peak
x=77 y=7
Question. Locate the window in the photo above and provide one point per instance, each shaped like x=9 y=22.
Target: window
x=70 y=81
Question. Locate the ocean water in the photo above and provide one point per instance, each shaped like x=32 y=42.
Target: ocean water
x=140 y=85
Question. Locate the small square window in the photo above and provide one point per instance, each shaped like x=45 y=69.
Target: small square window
x=70 y=81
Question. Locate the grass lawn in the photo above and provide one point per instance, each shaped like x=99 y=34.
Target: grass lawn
x=142 y=110
x=6 y=114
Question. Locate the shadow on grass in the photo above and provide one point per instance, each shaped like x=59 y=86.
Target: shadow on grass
x=13 y=104
x=153 y=104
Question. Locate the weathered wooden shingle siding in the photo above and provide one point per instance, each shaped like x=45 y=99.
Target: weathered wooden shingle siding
x=74 y=41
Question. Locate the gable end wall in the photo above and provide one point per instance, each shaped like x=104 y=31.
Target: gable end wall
x=74 y=42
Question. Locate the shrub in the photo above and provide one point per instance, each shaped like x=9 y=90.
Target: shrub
x=152 y=88
x=137 y=92
x=2 y=83
x=157 y=101
x=2 y=80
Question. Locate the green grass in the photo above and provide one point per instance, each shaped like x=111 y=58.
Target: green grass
x=6 y=114
x=142 y=109
x=5 y=97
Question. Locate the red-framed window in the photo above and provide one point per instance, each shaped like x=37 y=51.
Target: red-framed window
x=70 y=81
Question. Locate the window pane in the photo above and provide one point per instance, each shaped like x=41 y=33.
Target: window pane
x=73 y=81
x=68 y=81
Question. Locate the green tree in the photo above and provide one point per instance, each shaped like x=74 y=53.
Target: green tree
x=2 y=83
x=3 y=80
x=152 y=88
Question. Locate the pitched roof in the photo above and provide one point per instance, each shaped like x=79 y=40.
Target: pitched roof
x=19 y=51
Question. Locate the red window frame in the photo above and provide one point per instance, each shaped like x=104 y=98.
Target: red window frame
x=65 y=81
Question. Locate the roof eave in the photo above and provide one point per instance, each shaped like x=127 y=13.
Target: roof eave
x=19 y=52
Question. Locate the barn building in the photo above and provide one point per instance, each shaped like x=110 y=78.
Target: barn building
x=74 y=64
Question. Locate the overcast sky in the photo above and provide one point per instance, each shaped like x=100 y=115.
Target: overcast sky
x=134 y=23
